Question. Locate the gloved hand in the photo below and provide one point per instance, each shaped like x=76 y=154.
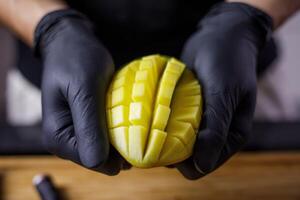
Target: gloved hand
x=223 y=53
x=77 y=70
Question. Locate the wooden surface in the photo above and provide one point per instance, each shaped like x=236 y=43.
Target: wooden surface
x=246 y=176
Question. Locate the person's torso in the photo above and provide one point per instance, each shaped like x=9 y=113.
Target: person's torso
x=132 y=28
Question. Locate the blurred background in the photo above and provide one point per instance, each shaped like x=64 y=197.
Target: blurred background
x=277 y=117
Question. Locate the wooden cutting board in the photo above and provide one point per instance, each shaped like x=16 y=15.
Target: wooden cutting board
x=246 y=176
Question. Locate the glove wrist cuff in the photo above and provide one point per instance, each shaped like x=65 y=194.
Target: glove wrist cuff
x=251 y=11
x=241 y=14
x=48 y=21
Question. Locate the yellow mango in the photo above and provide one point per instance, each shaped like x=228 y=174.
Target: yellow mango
x=121 y=96
x=155 y=145
x=141 y=92
x=137 y=143
x=119 y=116
x=144 y=76
x=182 y=130
x=149 y=65
x=190 y=146
x=186 y=101
x=139 y=114
x=119 y=138
x=188 y=91
x=173 y=151
x=161 y=117
x=124 y=72
x=153 y=110
x=158 y=60
x=122 y=81
x=164 y=95
x=188 y=114
x=134 y=65
x=174 y=66
x=169 y=78
x=187 y=77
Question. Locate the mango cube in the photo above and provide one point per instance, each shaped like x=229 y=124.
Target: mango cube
x=161 y=117
x=188 y=91
x=188 y=114
x=182 y=130
x=122 y=81
x=149 y=65
x=141 y=92
x=121 y=96
x=137 y=142
x=139 y=114
x=155 y=145
x=119 y=116
x=174 y=66
x=187 y=77
x=134 y=65
x=169 y=78
x=119 y=138
x=186 y=101
x=173 y=151
x=164 y=95
x=190 y=146
x=158 y=60
x=124 y=72
x=144 y=76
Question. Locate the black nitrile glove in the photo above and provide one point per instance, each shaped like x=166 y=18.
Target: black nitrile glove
x=223 y=53
x=77 y=70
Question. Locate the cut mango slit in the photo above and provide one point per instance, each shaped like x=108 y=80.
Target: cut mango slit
x=153 y=109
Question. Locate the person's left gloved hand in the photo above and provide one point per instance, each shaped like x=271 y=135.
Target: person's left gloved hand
x=77 y=70
x=224 y=53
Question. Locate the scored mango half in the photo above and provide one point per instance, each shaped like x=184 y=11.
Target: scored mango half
x=154 y=108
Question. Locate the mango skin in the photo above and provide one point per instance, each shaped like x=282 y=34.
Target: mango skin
x=153 y=110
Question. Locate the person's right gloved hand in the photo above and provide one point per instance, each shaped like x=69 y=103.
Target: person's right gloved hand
x=77 y=70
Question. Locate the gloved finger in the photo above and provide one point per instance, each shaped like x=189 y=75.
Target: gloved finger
x=89 y=124
x=213 y=134
x=58 y=137
x=126 y=165
x=211 y=137
x=113 y=164
x=235 y=142
x=188 y=170
x=240 y=128
x=207 y=151
x=170 y=166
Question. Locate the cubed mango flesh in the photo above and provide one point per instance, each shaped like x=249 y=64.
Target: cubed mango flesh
x=153 y=110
